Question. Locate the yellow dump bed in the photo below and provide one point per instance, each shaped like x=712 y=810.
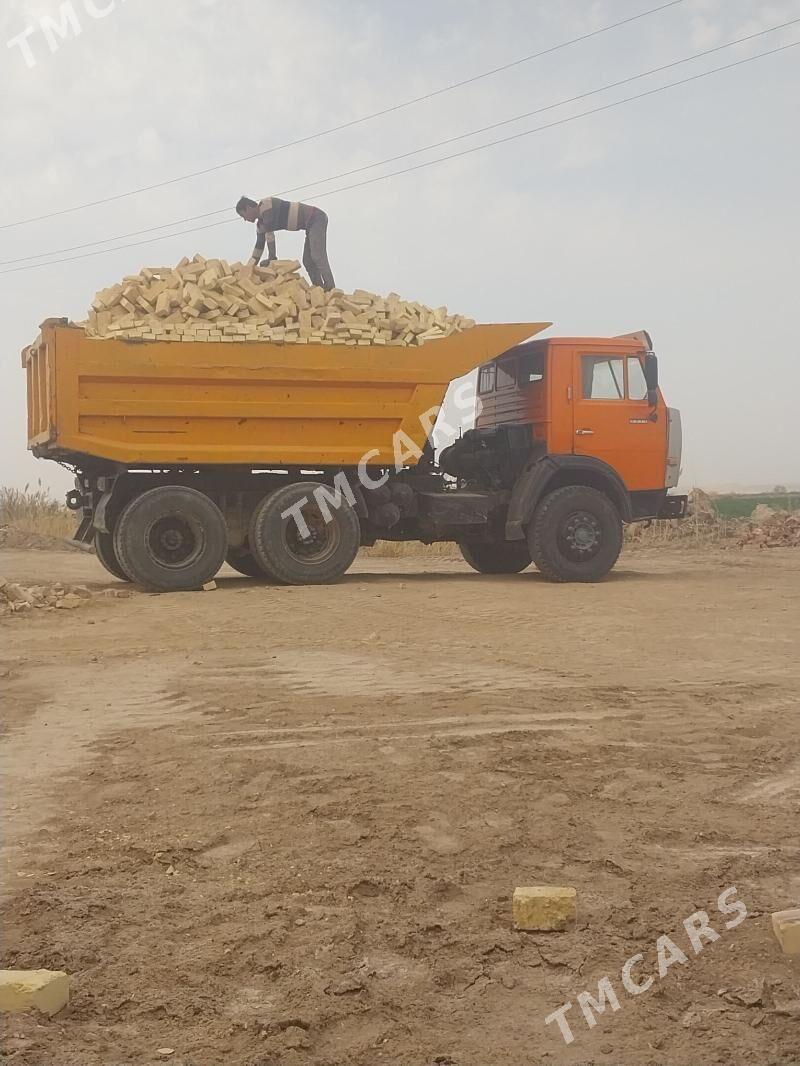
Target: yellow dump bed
x=249 y=404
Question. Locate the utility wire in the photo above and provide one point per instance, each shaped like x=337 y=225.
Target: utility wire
x=352 y=122
x=419 y=151
x=443 y=159
x=559 y=122
x=120 y=236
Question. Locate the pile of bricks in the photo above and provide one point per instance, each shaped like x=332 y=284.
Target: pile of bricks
x=772 y=529
x=19 y=599
x=212 y=300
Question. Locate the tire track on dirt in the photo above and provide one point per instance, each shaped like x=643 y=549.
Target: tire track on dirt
x=76 y=707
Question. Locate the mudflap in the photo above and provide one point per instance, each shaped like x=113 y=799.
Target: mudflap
x=674 y=507
x=85 y=531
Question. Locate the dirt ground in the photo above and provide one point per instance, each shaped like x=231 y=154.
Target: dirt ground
x=270 y=826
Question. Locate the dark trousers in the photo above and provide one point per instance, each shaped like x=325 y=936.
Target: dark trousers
x=315 y=253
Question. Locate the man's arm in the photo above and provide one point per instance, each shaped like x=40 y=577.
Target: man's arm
x=258 y=251
x=265 y=233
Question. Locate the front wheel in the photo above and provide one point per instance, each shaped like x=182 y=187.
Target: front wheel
x=298 y=539
x=171 y=539
x=576 y=535
x=497 y=557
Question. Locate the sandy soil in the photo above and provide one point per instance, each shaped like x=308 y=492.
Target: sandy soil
x=269 y=826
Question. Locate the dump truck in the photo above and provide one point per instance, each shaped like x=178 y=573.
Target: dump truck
x=285 y=459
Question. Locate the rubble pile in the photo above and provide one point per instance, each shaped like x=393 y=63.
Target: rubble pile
x=212 y=300
x=772 y=529
x=23 y=599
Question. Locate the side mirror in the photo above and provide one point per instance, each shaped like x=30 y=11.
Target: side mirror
x=651 y=377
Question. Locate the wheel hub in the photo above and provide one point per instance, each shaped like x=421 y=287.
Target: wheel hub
x=173 y=541
x=317 y=541
x=582 y=535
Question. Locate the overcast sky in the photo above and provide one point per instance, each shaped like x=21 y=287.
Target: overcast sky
x=676 y=213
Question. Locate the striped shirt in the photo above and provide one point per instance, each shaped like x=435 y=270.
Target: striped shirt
x=275 y=214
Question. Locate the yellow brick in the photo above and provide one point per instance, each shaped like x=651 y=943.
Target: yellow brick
x=544 y=908
x=44 y=990
x=786 y=925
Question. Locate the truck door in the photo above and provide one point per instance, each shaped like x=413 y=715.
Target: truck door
x=613 y=420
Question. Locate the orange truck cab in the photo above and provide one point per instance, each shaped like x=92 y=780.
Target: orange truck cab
x=588 y=408
x=577 y=430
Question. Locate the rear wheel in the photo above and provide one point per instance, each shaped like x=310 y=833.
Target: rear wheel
x=497 y=557
x=243 y=560
x=576 y=535
x=316 y=549
x=171 y=539
x=104 y=549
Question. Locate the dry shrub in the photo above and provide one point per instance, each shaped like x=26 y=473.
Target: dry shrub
x=706 y=527
x=389 y=549
x=698 y=530
x=34 y=511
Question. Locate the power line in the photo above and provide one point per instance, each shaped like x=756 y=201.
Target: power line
x=443 y=159
x=560 y=122
x=119 y=237
x=118 y=248
x=542 y=110
x=350 y=124
x=426 y=148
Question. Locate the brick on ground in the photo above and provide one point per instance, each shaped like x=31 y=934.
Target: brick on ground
x=43 y=990
x=544 y=908
x=786 y=925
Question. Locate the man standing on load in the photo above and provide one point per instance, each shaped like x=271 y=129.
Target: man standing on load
x=273 y=214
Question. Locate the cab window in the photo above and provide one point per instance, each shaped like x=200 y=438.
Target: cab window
x=531 y=369
x=603 y=377
x=506 y=374
x=486 y=378
x=637 y=385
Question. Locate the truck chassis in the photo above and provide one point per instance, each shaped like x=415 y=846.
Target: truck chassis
x=506 y=506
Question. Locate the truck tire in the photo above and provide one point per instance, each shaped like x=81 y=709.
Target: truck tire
x=497 y=557
x=104 y=549
x=171 y=539
x=576 y=535
x=282 y=552
x=243 y=561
